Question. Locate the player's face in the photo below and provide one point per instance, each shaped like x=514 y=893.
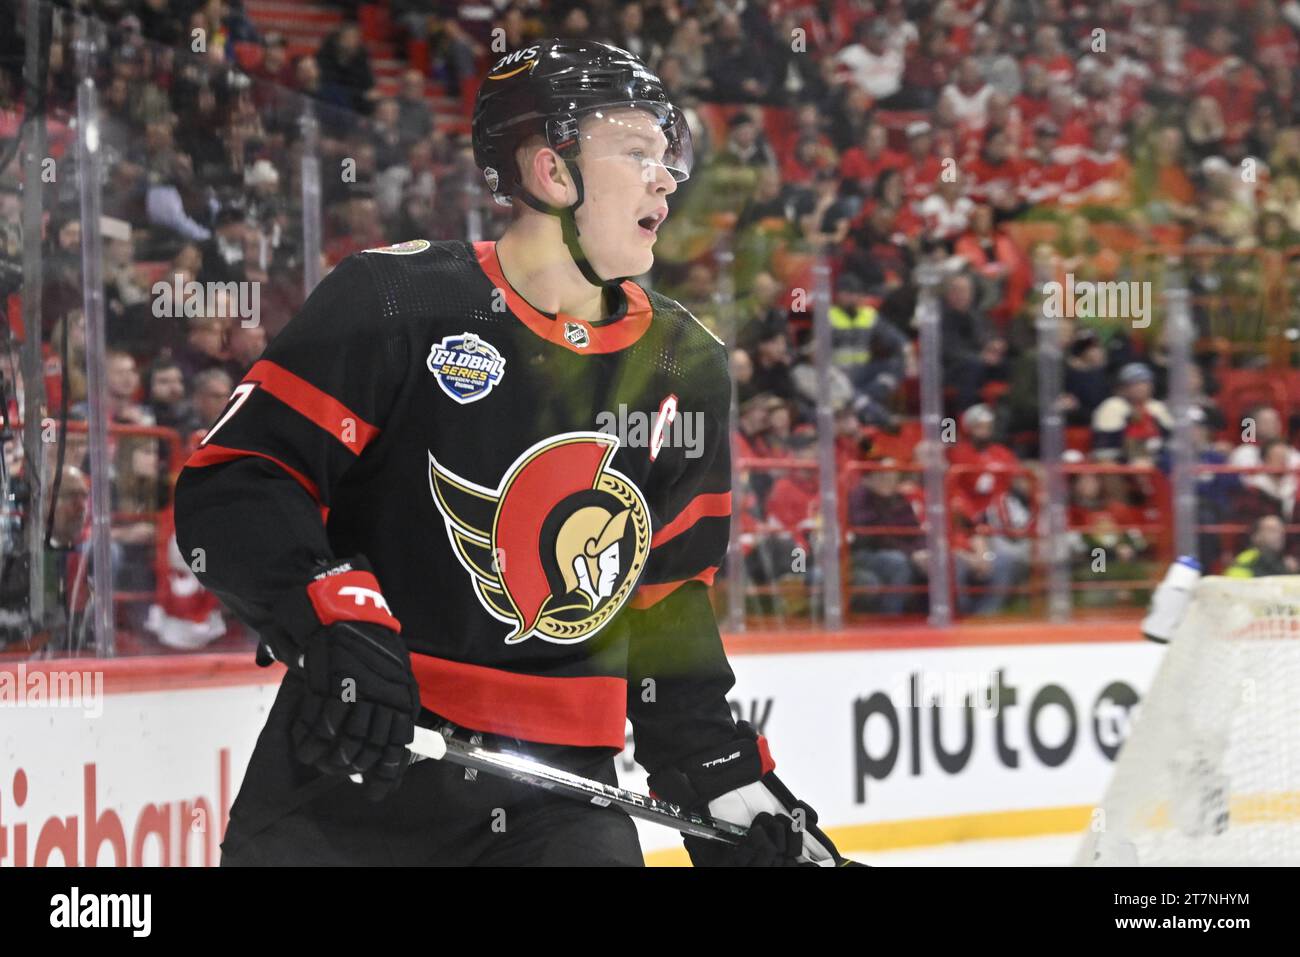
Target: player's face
x=627 y=187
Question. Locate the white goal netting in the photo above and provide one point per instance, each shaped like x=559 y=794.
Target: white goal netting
x=1210 y=771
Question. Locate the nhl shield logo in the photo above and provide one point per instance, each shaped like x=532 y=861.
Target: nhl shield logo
x=492 y=178
x=576 y=335
x=558 y=546
x=466 y=367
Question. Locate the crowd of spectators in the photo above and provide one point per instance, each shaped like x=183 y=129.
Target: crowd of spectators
x=1010 y=143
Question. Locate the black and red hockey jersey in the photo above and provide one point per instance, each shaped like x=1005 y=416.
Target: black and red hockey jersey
x=543 y=500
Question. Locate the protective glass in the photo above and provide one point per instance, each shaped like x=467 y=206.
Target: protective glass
x=653 y=135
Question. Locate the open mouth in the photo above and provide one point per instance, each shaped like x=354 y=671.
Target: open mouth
x=651 y=223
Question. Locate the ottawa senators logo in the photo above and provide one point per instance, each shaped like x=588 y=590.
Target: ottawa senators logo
x=557 y=547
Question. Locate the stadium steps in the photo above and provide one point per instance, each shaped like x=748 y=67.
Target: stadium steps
x=305 y=26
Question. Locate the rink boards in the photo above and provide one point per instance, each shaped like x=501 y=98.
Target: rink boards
x=900 y=738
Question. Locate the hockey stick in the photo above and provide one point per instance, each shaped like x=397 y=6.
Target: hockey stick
x=431 y=744
x=436 y=746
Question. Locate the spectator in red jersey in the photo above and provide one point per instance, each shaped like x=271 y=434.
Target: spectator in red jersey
x=862 y=164
x=1073 y=135
x=880 y=250
x=1103 y=176
x=1236 y=90
x=884 y=563
x=1274 y=40
x=1001 y=265
x=751 y=438
x=809 y=123
x=1207 y=61
x=853 y=440
x=1046 y=175
x=1051 y=55
x=1033 y=100
x=808 y=158
x=926 y=72
x=946 y=212
x=1099 y=100
x=273 y=69
x=982 y=479
x=1091 y=504
x=922 y=169
x=1105 y=540
x=1011 y=522
x=794 y=501
x=997 y=177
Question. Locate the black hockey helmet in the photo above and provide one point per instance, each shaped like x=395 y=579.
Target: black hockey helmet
x=545 y=89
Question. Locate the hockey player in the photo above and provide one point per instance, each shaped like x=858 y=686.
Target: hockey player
x=410 y=502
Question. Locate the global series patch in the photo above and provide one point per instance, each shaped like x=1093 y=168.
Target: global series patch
x=402 y=249
x=466 y=367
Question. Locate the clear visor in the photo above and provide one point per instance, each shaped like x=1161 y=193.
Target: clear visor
x=653 y=136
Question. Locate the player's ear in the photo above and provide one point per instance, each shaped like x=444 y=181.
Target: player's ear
x=545 y=174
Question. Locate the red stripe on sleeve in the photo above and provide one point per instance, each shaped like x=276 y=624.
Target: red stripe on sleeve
x=311 y=403
x=648 y=595
x=206 y=455
x=707 y=505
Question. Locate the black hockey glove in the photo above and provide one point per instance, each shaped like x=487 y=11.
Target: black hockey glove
x=359 y=712
x=736 y=783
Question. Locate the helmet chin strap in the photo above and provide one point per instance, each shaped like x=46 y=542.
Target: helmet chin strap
x=569 y=229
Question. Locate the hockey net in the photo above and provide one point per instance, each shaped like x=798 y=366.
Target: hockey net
x=1210 y=771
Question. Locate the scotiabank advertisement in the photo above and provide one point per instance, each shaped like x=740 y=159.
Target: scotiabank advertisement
x=137 y=762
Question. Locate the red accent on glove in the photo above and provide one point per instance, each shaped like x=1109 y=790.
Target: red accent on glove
x=765 y=756
x=351 y=596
